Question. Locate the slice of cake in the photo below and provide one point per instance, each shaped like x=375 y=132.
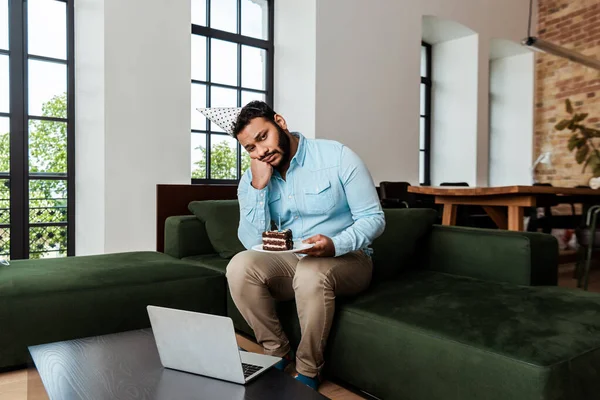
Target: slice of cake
x=278 y=240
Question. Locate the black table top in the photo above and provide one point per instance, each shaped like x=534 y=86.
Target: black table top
x=127 y=366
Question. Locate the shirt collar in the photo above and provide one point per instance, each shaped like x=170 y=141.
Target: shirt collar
x=301 y=151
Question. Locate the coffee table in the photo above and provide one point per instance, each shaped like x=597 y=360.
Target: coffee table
x=127 y=366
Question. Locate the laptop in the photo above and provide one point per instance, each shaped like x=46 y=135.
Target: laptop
x=204 y=344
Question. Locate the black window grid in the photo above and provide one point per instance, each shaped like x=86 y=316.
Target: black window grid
x=426 y=149
x=19 y=177
x=240 y=40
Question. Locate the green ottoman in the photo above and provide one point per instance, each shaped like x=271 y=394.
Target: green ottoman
x=57 y=299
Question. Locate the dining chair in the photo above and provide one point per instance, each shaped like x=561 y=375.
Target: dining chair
x=588 y=240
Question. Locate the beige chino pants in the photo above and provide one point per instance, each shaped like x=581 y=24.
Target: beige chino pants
x=256 y=280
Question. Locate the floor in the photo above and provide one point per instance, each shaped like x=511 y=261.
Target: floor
x=13 y=385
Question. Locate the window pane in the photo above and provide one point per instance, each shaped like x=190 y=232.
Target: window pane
x=422 y=134
x=223 y=15
x=254 y=61
x=47 y=204
x=47 y=146
x=221 y=97
x=245 y=160
x=47 y=28
x=421 y=167
x=4 y=24
x=4 y=203
x=423 y=61
x=47 y=242
x=223 y=62
x=247 y=97
x=198 y=101
x=4 y=85
x=223 y=157
x=198 y=58
x=47 y=85
x=47 y=201
x=199 y=12
x=198 y=156
x=4 y=145
x=422 y=99
x=255 y=17
x=4 y=243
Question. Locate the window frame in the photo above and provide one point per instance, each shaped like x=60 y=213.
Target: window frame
x=19 y=175
x=240 y=40
x=427 y=81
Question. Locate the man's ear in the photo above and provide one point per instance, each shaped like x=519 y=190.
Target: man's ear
x=281 y=122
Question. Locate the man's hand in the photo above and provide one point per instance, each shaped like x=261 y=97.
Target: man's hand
x=261 y=173
x=323 y=246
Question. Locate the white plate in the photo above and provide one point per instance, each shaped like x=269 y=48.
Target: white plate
x=298 y=246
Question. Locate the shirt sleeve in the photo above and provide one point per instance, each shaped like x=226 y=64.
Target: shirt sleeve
x=254 y=212
x=369 y=220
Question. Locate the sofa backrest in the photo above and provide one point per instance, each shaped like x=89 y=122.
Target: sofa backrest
x=395 y=249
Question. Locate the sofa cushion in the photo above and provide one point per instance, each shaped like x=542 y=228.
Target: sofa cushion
x=49 y=300
x=221 y=218
x=394 y=250
x=72 y=274
x=478 y=339
x=211 y=261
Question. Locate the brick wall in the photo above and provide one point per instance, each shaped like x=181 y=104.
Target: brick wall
x=574 y=24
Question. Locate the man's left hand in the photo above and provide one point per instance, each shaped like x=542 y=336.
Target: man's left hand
x=323 y=246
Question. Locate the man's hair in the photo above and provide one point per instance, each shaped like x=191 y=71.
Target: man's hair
x=254 y=109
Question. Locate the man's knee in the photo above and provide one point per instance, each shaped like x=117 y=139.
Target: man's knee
x=239 y=266
x=309 y=279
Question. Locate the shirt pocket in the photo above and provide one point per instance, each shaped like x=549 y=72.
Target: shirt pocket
x=318 y=196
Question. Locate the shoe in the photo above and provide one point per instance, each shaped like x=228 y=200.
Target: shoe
x=285 y=361
x=310 y=382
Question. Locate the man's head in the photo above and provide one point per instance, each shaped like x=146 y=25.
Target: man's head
x=263 y=133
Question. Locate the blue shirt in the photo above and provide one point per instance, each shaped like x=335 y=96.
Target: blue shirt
x=328 y=190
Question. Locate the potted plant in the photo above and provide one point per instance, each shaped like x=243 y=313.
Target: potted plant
x=581 y=141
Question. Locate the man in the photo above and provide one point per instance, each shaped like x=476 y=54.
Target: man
x=323 y=192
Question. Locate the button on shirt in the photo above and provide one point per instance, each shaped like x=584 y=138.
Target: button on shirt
x=328 y=190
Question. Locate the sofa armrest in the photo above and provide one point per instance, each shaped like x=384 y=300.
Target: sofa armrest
x=521 y=258
x=185 y=236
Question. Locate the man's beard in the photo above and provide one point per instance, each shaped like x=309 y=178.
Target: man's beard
x=284 y=148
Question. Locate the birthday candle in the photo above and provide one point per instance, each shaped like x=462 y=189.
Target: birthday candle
x=279 y=226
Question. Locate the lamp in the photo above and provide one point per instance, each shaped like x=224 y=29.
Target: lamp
x=543 y=46
x=544 y=158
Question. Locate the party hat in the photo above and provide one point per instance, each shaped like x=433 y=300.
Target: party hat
x=225 y=117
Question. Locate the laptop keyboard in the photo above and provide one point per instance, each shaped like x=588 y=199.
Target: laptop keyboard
x=250 y=369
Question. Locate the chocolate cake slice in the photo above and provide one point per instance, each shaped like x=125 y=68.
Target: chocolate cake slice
x=278 y=240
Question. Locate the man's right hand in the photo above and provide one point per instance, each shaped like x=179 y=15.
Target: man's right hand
x=261 y=173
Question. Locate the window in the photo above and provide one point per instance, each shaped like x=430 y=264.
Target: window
x=232 y=64
x=425 y=120
x=36 y=128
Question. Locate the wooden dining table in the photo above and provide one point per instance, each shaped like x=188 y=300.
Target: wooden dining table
x=504 y=204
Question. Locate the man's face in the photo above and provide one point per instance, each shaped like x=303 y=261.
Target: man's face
x=266 y=141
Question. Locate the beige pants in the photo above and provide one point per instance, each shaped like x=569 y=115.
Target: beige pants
x=257 y=280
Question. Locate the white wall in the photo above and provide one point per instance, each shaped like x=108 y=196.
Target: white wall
x=295 y=40
x=362 y=95
x=367 y=74
x=90 y=193
x=511 y=120
x=134 y=130
x=454 y=108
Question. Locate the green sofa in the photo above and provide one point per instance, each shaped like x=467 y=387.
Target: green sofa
x=49 y=300
x=452 y=313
